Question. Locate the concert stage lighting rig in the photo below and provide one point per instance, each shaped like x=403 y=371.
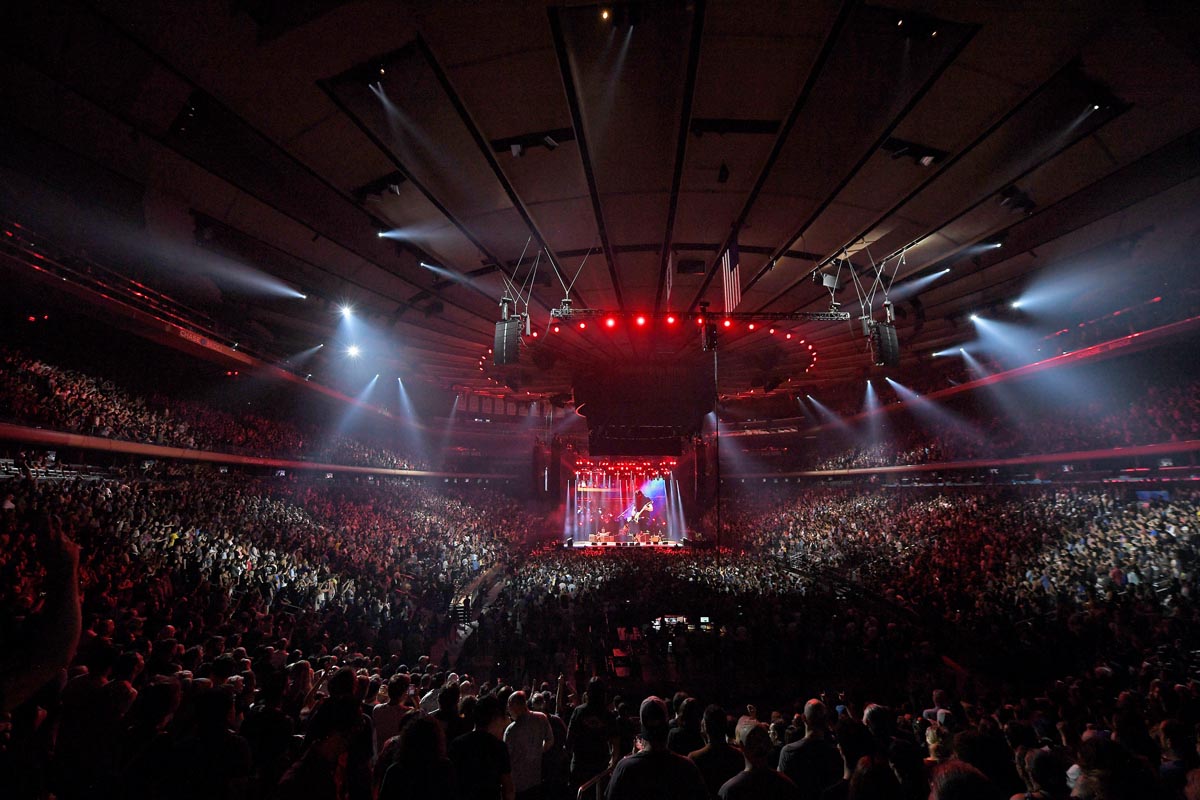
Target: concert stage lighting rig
x=707 y=320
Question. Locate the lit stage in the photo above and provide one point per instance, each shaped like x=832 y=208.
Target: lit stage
x=608 y=541
x=624 y=502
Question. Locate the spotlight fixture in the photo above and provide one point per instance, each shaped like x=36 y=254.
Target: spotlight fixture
x=353 y=351
x=974 y=318
x=670 y=319
x=604 y=14
x=640 y=320
x=347 y=312
x=610 y=323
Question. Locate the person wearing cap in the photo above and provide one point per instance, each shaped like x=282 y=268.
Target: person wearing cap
x=654 y=771
x=758 y=780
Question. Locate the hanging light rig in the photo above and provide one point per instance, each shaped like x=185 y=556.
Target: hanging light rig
x=707 y=322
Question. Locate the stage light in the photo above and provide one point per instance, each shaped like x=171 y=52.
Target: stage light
x=535 y=334
x=670 y=319
x=771 y=331
x=303 y=296
x=353 y=351
x=1016 y=303
x=788 y=336
x=347 y=312
x=974 y=318
x=752 y=326
x=583 y=326
x=610 y=323
x=322 y=344
x=728 y=323
x=556 y=329
x=640 y=320
x=604 y=14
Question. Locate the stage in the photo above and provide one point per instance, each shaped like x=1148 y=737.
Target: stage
x=608 y=541
x=619 y=502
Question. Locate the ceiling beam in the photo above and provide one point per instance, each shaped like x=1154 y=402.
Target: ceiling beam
x=827 y=47
x=485 y=149
x=569 y=88
x=874 y=148
x=685 y=123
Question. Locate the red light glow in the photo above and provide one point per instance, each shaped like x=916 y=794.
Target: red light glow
x=752 y=326
x=727 y=323
x=788 y=336
x=583 y=326
x=670 y=319
x=640 y=320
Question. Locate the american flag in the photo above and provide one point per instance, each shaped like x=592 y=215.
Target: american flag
x=732 y=277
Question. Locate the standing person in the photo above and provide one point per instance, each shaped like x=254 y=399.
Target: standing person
x=811 y=763
x=654 y=771
x=758 y=781
x=421 y=769
x=482 y=770
x=593 y=740
x=528 y=737
x=718 y=760
x=387 y=717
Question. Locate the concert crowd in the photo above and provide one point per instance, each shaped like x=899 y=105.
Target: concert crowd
x=38 y=393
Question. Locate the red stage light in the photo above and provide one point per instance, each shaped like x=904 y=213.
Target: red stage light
x=670 y=319
x=771 y=331
x=727 y=323
x=33 y=319
x=610 y=322
x=751 y=326
x=640 y=320
x=556 y=329
x=583 y=326
x=788 y=336
x=535 y=334
x=699 y=320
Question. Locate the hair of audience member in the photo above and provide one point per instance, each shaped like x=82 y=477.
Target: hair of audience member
x=397 y=687
x=655 y=719
x=487 y=710
x=958 y=780
x=447 y=699
x=855 y=742
x=879 y=720
x=422 y=742
x=1047 y=770
x=715 y=724
x=756 y=745
x=873 y=779
x=342 y=683
x=597 y=693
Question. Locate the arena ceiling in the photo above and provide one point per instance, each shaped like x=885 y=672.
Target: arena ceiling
x=637 y=141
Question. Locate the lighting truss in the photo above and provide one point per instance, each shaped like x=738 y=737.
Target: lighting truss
x=568 y=312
